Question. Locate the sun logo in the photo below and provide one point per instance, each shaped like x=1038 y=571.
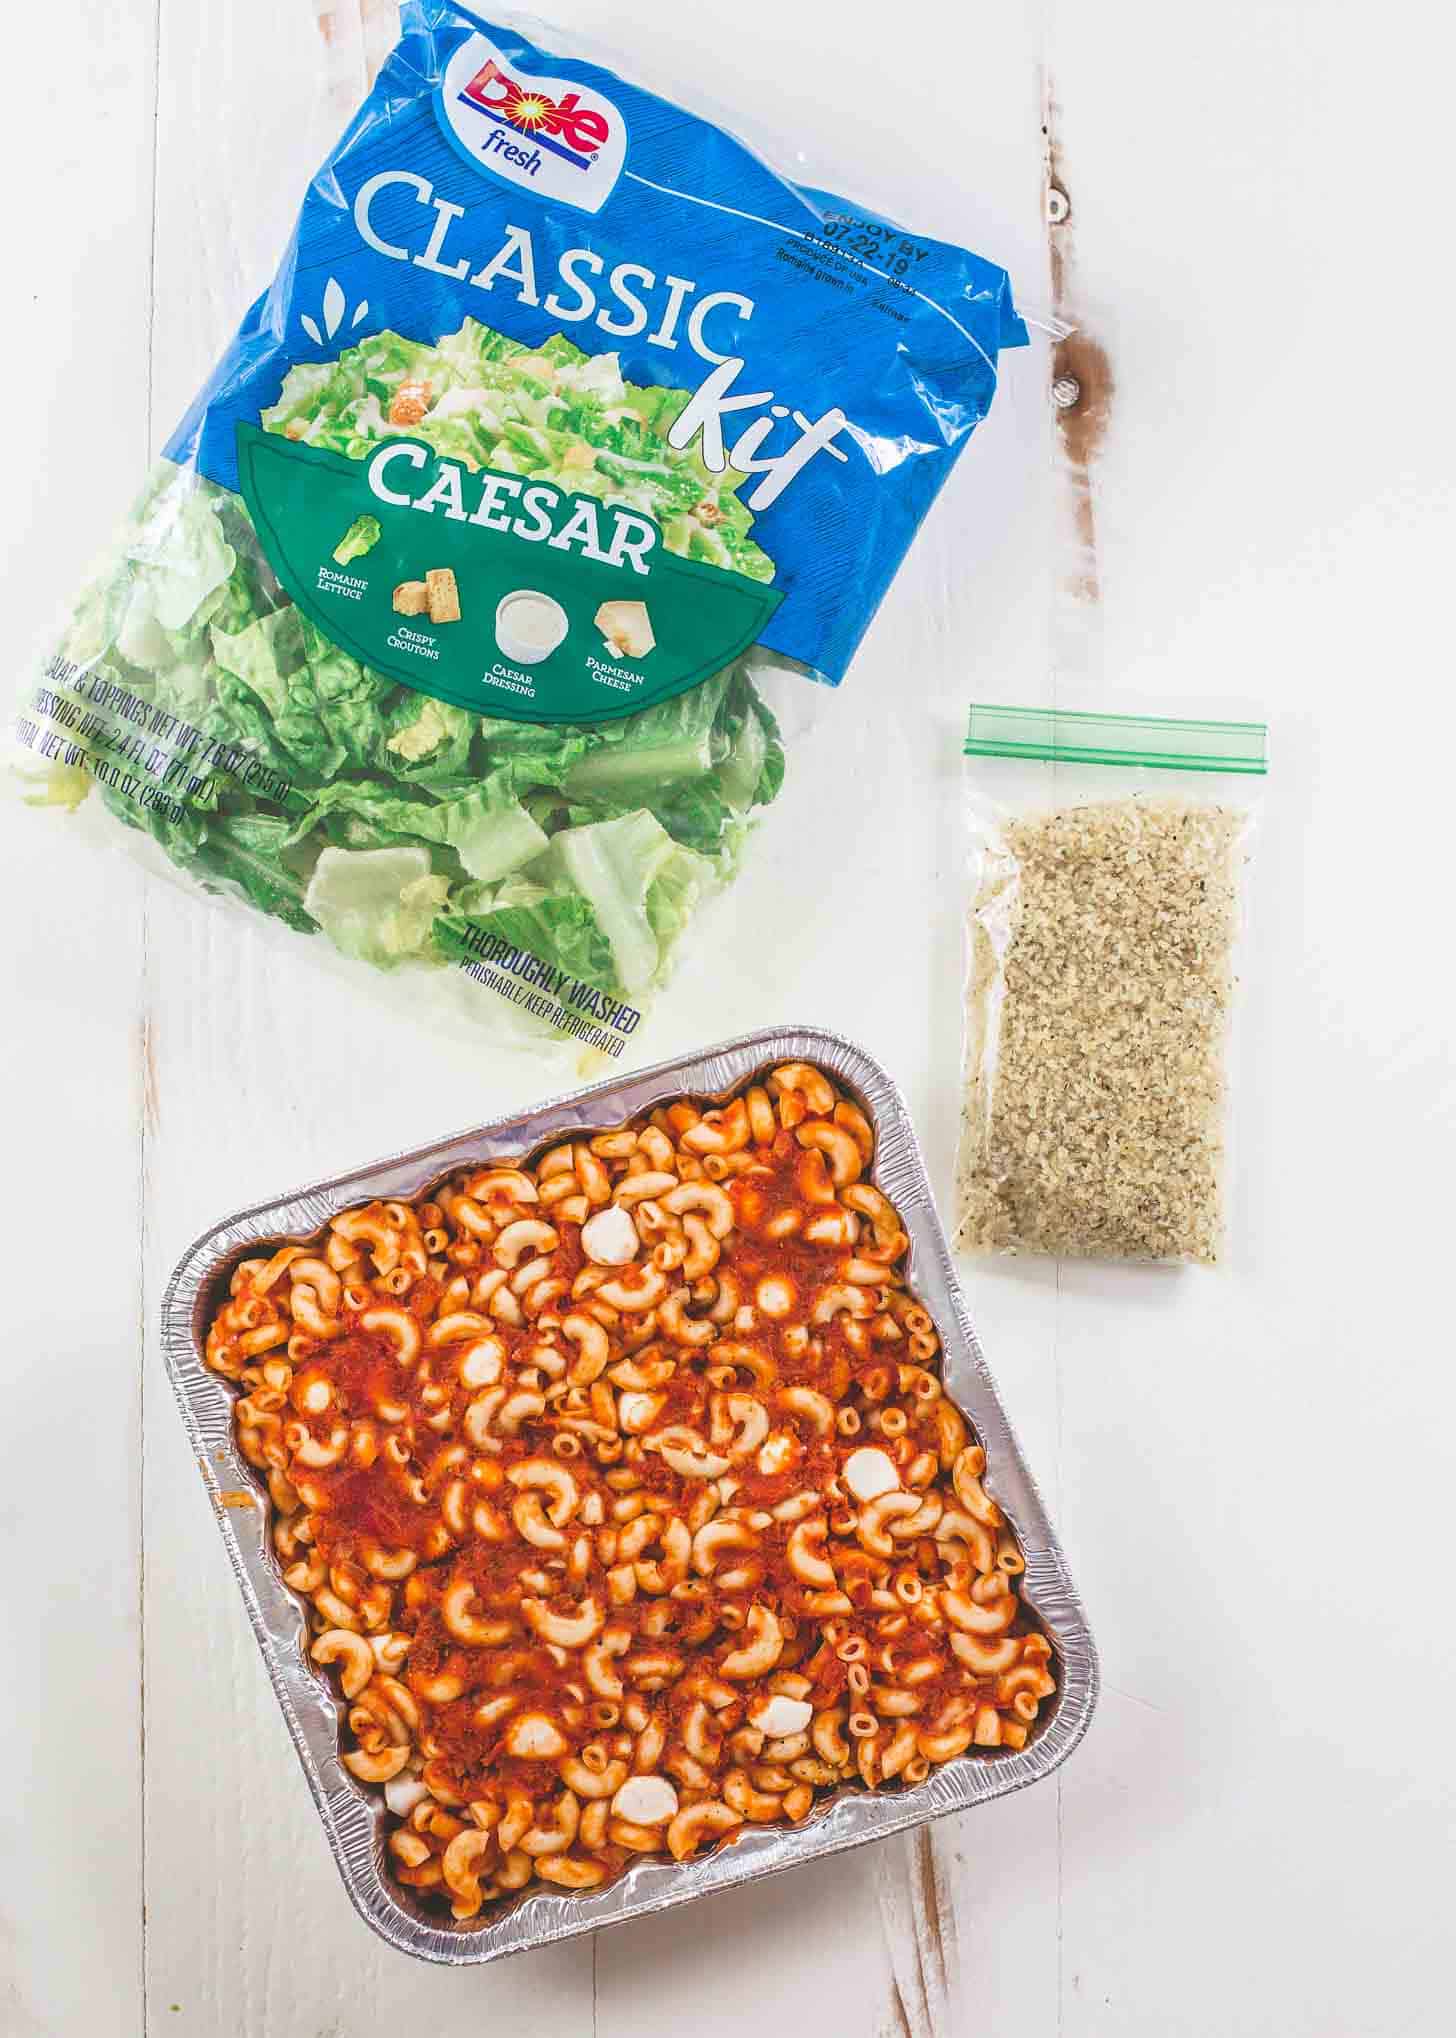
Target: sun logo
x=528 y=110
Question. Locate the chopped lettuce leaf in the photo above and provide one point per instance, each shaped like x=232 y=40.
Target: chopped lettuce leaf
x=263 y=655
x=378 y=905
x=52 y=785
x=489 y=830
x=652 y=751
x=683 y=883
x=302 y=389
x=268 y=658
x=349 y=698
x=557 y=925
x=389 y=818
x=615 y=866
x=424 y=732
x=428 y=741
x=492 y=838
x=179 y=556
x=753 y=770
x=249 y=854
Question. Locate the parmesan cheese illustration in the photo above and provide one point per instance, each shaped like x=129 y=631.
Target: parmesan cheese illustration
x=627 y=628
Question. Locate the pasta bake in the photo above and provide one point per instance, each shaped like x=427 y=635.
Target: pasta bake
x=625 y=1497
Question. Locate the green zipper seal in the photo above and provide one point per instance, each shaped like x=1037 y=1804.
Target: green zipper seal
x=1162 y=744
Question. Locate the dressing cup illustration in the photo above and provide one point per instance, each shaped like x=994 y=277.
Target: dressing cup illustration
x=529 y=626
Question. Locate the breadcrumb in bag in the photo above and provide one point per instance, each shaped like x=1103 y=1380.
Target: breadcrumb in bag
x=1100 y=973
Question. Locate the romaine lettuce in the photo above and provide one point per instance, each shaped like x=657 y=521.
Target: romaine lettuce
x=361 y=537
x=551 y=411
x=393 y=823
x=557 y=925
x=617 y=866
x=378 y=905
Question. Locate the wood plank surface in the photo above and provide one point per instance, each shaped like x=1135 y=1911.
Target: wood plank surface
x=1248 y=1467
x=76 y=412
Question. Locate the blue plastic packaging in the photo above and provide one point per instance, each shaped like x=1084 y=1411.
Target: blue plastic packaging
x=673 y=419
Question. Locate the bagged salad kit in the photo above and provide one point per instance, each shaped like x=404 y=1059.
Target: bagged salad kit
x=569 y=443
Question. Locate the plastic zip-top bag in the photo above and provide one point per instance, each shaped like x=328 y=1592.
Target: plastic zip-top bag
x=569 y=444
x=1106 y=864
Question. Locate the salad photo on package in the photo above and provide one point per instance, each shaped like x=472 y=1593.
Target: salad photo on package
x=568 y=441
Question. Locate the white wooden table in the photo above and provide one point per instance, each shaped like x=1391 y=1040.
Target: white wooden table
x=1251 y=1469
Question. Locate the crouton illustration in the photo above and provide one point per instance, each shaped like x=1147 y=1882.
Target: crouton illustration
x=443 y=595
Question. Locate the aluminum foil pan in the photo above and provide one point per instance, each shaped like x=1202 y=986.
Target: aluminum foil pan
x=353 y=1817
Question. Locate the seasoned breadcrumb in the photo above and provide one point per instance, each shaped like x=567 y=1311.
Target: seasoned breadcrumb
x=1101 y=940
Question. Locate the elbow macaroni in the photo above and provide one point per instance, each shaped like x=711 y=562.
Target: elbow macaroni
x=612 y=1556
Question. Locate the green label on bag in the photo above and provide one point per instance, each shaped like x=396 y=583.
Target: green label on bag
x=495 y=592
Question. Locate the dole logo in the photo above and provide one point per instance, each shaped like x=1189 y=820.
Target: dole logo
x=575 y=132
x=546 y=134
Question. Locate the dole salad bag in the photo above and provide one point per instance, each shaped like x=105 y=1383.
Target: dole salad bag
x=568 y=438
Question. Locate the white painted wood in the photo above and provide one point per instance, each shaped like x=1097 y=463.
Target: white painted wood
x=70 y=1712
x=1252 y=1838
x=1257 y=1837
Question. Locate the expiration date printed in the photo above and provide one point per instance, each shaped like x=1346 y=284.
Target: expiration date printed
x=873 y=241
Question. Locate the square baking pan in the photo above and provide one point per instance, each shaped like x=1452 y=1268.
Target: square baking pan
x=354 y=1818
